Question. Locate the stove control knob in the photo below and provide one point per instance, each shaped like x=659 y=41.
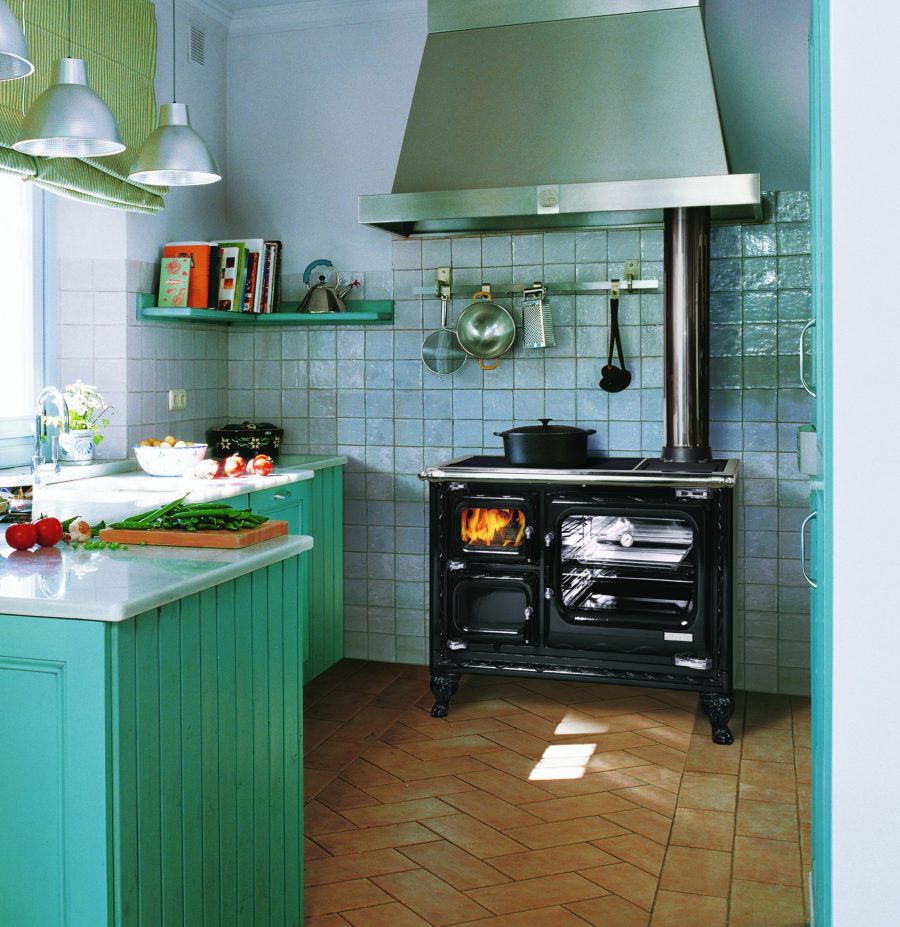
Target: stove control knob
x=548 y=538
x=455 y=565
x=626 y=540
x=529 y=531
x=549 y=593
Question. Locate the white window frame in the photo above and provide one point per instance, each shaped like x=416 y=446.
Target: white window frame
x=17 y=434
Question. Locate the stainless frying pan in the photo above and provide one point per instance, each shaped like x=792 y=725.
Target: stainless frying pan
x=485 y=330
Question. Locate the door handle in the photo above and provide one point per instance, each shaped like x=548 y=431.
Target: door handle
x=281 y=496
x=808 y=327
x=806 y=575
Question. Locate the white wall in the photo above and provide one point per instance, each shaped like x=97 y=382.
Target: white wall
x=866 y=447
x=316 y=116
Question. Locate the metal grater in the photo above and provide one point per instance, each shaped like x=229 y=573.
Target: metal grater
x=537 y=320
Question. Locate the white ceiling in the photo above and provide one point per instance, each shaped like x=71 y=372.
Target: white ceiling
x=237 y=5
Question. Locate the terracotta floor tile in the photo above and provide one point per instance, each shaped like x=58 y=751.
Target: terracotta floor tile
x=398 y=812
x=485 y=708
x=705 y=756
x=627 y=882
x=540 y=917
x=312 y=850
x=315 y=780
x=339 y=706
x=563 y=809
x=400 y=733
x=773 y=861
x=803 y=764
x=768 y=743
x=606 y=743
x=417 y=788
x=660 y=776
x=366 y=725
x=593 y=782
x=674 y=909
x=640 y=851
x=456 y=867
x=493 y=811
x=765 y=781
x=442 y=728
x=362 y=774
x=431 y=898
x=520 y=742
x=698 y=872
x=708 y=792
x=467 y=745
x=643 y=821
x=773 y=820
x=754 y=904
x=649 y=796
x=610 y=911
x=375 y=838
x=535 y=863
x=620 y=759
x=629 y=705
x=386 y=915
x=344 y=896
x=316 y=731
x=661 y=756
x=706 y=830
x=333 y=754
x=510 y=762
x=528 y=894
x=766 y=710
x=317 y=819
x=670 y=736
x=502 y=785
x=559 y=833
x=354 y=866
x=472 y=836
x=403 y=765
x=339 y=795
x=676 y=718
x=326 y=920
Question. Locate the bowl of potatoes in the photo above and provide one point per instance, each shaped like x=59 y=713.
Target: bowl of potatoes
x=169 y=456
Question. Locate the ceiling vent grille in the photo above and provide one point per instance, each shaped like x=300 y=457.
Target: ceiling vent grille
x=198 y=46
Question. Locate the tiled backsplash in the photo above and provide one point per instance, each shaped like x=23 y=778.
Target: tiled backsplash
x=135 y=364
x=364 y=393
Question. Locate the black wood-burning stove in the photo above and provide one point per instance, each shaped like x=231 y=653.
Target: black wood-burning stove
x=619 y=571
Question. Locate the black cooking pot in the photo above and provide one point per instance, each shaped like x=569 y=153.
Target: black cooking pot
x=545 y=445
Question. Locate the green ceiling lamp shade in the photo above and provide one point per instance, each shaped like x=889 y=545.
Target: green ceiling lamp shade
x=15 y=59
x=175 y=155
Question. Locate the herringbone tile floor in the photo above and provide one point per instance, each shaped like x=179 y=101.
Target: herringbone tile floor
x=549 y=804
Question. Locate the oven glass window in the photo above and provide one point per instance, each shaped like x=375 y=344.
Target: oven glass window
x=640 y=565
x=497 y=529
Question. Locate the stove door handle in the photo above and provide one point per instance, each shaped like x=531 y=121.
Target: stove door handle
x=529 y=531
x=549 y=538
x=549 y=593
x=806 y=575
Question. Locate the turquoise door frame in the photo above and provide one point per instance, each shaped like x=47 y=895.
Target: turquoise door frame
x=821 y=501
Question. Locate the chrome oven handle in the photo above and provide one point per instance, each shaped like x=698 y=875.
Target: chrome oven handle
x=806 y=575
x=809 y=389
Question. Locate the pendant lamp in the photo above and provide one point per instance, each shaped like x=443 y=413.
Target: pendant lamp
x=69 y=120
x=174 y=155
x=15 y=60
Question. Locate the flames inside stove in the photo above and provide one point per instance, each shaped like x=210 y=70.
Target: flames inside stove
x=494 y=529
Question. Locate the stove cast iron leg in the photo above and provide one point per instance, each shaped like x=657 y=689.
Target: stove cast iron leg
x=719 y=709
x=443 y=685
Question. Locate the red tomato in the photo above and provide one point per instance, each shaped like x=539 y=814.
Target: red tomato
x=49 y=532
x=261 y=465
x=21 y=537
x=234 y=465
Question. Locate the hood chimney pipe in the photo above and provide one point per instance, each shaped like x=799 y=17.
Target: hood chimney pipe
x=686 y=270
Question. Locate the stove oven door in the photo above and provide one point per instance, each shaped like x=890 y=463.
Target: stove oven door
x=490 y=609
x=630 y=574
x=491 y=527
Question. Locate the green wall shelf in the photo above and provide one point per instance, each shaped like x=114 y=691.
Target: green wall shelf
x=364 y=312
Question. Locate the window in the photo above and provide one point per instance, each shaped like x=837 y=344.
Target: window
x=22 y=373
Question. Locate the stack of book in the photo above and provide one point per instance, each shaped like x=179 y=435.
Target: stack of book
x=232 y=276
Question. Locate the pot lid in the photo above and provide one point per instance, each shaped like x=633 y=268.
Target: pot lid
x=545 y=428
x=248 y=426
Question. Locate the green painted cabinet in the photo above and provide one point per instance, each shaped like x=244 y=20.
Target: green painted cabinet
x=316 y=506
x=152 y=768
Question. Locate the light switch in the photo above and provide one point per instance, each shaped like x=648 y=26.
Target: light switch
x=177 y=400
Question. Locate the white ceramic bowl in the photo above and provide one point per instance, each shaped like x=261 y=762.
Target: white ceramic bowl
x=170 y=461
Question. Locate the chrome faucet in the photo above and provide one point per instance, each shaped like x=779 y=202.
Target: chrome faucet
x=38 y=461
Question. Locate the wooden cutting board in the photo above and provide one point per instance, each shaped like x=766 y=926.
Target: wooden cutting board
x=172 y=537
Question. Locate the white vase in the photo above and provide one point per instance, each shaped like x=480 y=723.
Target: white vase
x=77 y=446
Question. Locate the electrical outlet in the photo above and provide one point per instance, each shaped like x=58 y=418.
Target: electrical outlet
x=177 y=400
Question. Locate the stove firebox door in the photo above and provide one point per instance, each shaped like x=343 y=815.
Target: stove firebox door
x=495 y=527
x=492 y=609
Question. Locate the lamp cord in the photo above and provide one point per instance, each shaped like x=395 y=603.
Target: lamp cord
x=70 y=28
x=174 y=97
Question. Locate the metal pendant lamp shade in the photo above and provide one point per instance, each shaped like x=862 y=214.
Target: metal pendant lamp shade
x=15 y=59
x=69 y=120
x=175 y=155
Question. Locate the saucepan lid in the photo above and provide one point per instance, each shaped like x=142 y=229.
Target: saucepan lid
x=545 y=428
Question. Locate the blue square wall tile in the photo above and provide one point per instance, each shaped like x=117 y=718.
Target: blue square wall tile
x=725 y=241
x=759 y=240
x=760 y=273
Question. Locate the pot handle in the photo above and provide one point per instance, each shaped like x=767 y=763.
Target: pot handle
x=484 y=366
x=319 y=262
x=483 y=294
x=590 y=431
x=499 y=434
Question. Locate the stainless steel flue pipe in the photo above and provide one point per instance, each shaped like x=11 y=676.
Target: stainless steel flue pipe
x=686 y=254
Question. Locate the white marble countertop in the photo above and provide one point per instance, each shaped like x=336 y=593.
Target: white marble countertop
x=112 y=498
x=113 y=585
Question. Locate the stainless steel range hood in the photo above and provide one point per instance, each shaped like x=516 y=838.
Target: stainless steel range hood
x=531 y=114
